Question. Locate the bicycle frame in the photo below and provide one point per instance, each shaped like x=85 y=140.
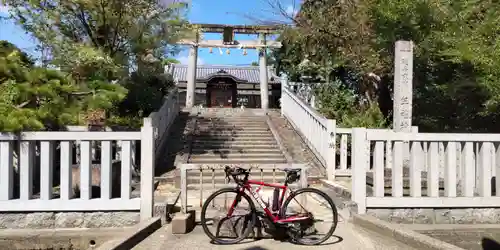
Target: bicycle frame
x=275 y=218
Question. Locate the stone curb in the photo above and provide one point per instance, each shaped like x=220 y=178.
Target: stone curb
x=133 y=236
x=399 y=233
x=395 y=231
x=341 y=190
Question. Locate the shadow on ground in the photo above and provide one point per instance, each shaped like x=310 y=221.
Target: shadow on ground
x=210 y=129
x=489 y=244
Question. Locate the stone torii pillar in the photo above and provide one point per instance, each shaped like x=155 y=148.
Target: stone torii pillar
x=191 y=76
x=264 y=85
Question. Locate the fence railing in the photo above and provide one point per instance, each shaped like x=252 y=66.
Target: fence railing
x=48 y=186
x=444 y=170
x=206 y=179
x=317 y=131
x=38 y=171
x=163 y=119
x=330 y=144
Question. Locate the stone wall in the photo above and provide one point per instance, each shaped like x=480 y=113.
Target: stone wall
x=46 y=220
x=419 y=215
x=84 y=238
x=438 y=216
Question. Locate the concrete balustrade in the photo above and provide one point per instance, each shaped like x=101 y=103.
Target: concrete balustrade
x=445 y=170
x=37 y=168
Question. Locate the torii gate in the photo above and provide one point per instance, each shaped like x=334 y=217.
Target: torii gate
x=228 y=41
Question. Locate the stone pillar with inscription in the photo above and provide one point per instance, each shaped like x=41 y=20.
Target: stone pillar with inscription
x=403 y=91
x=264 y=85
x=191 y=76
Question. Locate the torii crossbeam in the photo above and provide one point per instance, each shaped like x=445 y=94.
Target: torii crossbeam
x=228 y=41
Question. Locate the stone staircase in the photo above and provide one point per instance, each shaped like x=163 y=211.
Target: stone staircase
x=236 y=139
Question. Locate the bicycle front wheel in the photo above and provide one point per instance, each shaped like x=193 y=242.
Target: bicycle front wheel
x=321 y=210
x=228 y=229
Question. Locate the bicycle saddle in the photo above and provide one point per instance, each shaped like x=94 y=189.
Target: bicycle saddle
x=292 y=170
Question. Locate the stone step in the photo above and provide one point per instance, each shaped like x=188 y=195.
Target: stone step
x=233 y=139
x=234 y=117
x=230 y=134
x=245 y=130
x=238 y=143
x=250 y=120
x=273 y=160
x=237 y=155
x=233 y=145
x=232 y=128
x=235 y=150
x=234 y=132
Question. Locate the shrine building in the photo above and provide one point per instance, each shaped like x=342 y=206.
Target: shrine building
x=227 y=86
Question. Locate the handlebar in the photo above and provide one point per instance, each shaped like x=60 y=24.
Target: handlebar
x=236 y=171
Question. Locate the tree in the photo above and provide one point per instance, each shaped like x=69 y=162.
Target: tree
x=117 y=35
x=35 y=98
x=105 y=40
x=456 y=69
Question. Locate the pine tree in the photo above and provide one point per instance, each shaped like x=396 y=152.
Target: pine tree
x=36 y=98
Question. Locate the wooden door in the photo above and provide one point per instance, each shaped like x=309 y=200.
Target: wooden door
x=221 y=95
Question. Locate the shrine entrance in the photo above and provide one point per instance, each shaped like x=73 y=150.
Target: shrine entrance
x=221 y=93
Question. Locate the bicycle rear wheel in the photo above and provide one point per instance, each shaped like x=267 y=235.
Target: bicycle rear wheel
x=325 y=209
x=240 y=226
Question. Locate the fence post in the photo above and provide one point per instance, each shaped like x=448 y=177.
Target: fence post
x=331 y=128
x=359 y=161
x=184 y=188
x=147 y=169
x=284 y=85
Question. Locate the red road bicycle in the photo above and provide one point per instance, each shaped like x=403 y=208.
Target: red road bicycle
x=278 y=218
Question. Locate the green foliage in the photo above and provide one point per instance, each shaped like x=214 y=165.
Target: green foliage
x=168 y=61
x=95 y=44
x=35 y=98
x=456 y=66
x=109 y=32
x=340 y=103
x=146 y=94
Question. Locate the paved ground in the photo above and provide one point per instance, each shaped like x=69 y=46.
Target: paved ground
x=346 y=237
x=466 y=236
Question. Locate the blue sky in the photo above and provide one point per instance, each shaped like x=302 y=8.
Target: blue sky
x=201 y=11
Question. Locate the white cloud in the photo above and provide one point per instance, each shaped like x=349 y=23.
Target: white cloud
x=292 y=10
x=185 y=60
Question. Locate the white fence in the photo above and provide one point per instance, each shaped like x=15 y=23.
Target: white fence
x=317 y=131
x=445 y=170
x=322 y=136
x=216 y=172
x=42 y=179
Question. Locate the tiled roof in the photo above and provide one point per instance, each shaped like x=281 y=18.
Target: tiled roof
x=248 y=74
